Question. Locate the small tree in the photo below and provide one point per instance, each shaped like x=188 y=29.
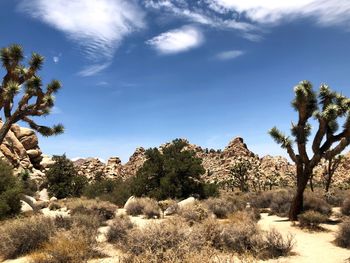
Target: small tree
x=173 y=173
x=327 y=108
x=35 y=101
x=330 y=167
x=10 y=192
x=63 y=179
x=244 y=173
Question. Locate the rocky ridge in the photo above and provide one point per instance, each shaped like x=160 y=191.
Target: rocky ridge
x=217 y=163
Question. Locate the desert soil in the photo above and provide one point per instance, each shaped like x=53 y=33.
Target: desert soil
x=310 y=246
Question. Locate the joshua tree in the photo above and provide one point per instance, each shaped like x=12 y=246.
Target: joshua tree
x=243 y=172
x=331 y=166
x=34 y=101
x=327 y=108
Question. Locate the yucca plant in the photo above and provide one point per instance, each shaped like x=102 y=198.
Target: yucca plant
x=327 y=107
x=22 y=86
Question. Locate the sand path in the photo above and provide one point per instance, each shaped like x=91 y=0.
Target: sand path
x=310 y=246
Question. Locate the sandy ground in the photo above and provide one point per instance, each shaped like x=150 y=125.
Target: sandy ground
x=310 y=246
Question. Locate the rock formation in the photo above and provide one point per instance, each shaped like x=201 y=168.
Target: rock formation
x=217 y=164
x=21 y=149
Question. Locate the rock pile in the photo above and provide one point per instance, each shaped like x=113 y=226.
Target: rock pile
x=20 y=147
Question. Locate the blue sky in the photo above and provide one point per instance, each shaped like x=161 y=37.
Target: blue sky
x=140 y=73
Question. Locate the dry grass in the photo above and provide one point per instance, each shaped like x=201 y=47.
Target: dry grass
x=21 y=236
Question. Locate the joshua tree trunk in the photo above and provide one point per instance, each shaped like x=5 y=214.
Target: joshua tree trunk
x=5 y=129
x=297 y=205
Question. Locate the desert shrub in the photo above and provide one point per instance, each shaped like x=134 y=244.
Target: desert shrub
x=194 y=213
x=263 y=200
x=343 y=235
x=241 y=237
x=151 y=209
x=102 y=209
x=312 y=202
x=54 y=206
x=21 y=236
x=157 y=238
x=140 y=206
x=312 y=219
x=336 y=198
x=345 y=208
x=275 y=245
x=222 y=207
x=135 y=207
x=63 y=222
x=29 y=186
x=68 y=247
x=10 y=192
x=119 y=229
x=63 y=179
x=280 y=202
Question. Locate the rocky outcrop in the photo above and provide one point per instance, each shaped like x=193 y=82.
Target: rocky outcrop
x=21 y=148
x=216 y=163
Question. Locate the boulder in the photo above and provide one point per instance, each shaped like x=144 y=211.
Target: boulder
x=26 y=208
x=187 y=202
x=44 y=195
x=131 y=199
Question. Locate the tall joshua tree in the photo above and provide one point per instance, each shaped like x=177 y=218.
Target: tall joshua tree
x=327 y=107
x=35 y=100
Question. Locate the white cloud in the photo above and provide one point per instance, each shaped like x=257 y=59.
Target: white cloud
x=93 y=69
x=251 y=16
x=56 y=59
x=97 y=26
x=230 y=54
x=178 y=40
x=326 y=12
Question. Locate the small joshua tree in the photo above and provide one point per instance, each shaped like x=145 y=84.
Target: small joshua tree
x=331 y=166
x=242 y=173
x=35 y=101
x=327 y=108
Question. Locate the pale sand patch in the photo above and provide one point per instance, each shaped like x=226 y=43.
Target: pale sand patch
x=310 y=246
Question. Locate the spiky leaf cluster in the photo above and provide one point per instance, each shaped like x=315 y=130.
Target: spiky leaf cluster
x=327 y=107
x=36 y=100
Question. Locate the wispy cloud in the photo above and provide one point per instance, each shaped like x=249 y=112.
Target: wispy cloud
x=251 y=16
x=229 y=54
x=178 y=40
x=93 y=69
x=97 y=26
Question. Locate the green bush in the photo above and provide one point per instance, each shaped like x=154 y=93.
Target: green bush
x=115 y=191
x=173 y=173
x=312 y=219
x=10 y=192
x=63 y=179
